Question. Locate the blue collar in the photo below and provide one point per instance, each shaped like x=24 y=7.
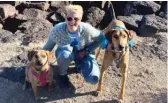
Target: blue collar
x=118 y=28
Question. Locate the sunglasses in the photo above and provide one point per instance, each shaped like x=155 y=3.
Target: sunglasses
x=70 y=19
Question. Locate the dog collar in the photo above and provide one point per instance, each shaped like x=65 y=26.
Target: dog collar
x=118 y=61
x=118 y=28
x=41 y=76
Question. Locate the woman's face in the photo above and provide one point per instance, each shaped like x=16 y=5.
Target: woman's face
x=73 y=20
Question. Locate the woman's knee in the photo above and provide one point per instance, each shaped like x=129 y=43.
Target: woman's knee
x=92 y=75
x=63 y=57
x=92 y=79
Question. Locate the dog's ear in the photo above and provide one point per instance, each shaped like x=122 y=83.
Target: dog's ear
x=109 y=35
x=130 y=34
x=31 y=54
x=49 y=55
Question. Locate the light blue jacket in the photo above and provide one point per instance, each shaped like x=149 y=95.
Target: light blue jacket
x=89 y=36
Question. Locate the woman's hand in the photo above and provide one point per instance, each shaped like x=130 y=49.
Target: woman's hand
x=81 y=54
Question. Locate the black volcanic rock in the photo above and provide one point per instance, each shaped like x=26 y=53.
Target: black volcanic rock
x=141 y=7
x=151 y=24
x=94 y=16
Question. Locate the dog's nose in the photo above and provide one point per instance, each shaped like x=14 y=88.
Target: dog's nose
x=38 y=63
x=121 y=47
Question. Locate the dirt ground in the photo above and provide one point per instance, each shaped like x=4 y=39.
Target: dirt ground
x=146 y=82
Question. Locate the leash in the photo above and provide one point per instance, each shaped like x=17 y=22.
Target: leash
x=54 y=62
x=80 y=64
x=112 y=11
x=118 y=61
x=74 y=45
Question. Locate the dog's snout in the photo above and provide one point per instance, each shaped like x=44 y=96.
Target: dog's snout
x=121 y=47
x=38 y=63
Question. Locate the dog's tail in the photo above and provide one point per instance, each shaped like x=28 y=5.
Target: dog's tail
x=112 y=11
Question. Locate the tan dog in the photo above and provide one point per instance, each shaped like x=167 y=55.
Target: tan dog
x=117 y=50
x=38 y=72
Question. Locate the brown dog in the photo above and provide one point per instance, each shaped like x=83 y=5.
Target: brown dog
x=38 y=72
x=117 y=50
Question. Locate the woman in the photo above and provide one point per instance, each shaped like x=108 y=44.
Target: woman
x=87 y=39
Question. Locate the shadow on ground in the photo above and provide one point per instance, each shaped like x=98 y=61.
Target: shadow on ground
x=110 y=101
x=17 y=74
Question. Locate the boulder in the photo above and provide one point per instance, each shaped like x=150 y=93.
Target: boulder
x=59 y=4
x=21 y=17
x=60 y=14
x=141 y=7
x=35 y=30
x=13 y=3
x=6 y=36
x=163 y=12
x=59 y=8
x=38 y=5
x=132 y=21
x=158 y=2
x=94 y=16
x=163 y=15
x=16 y=3
x=1 y=26
x=19 y=35
x=35 y=13
x=151 y=24
x=7 y=10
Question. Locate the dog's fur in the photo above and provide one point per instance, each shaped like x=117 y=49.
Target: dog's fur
x=38 y=63
x=116 y=50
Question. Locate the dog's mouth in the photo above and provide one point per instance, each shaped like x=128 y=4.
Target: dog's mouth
x=39 y=64
x=38 y=69
x=118 y=49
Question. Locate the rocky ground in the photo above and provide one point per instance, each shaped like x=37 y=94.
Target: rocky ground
x=27 y=30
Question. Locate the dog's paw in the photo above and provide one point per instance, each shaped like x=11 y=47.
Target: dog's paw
x=50 y=89
x=24 y=87
x=120 y=101
x=97 y=93
x=38 y=98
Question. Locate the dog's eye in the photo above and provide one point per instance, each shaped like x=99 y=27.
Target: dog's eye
x=36 y=56
x=115 y=36
x=43 y=56
x=124 y=36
